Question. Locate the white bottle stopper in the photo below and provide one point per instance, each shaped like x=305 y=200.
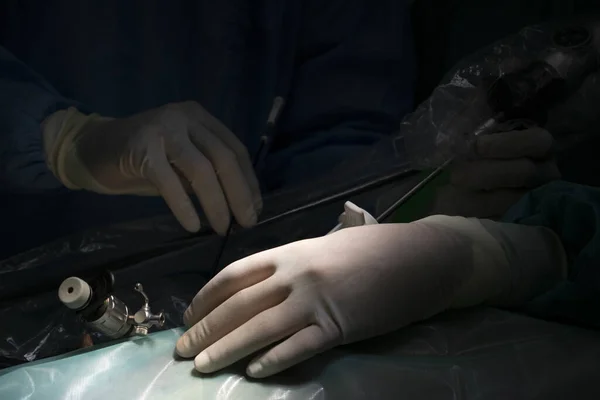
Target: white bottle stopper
x=74 y=293
x=352 y=216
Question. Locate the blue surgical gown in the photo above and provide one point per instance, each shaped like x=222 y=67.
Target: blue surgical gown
x=345 y=68
x=572 y=211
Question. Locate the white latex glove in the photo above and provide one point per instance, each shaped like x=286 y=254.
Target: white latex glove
x=503 y=167
x=168 y=151
x=298 y=300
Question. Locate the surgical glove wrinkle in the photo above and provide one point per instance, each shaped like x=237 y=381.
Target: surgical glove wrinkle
x=511 y=263
x=169 y=151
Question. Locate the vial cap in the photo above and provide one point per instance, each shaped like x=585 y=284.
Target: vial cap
x=74 y=293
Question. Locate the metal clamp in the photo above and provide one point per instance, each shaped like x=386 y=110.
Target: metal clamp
x=143 y=319
x=103 y=311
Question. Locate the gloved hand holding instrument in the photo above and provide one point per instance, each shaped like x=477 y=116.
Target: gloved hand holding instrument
x=169 y=151
x=494 y=164
x=499 y=170
x=490 y=166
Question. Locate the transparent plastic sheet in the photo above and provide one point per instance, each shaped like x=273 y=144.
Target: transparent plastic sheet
x=436 y=131
x=171 y=264
x=479 y=354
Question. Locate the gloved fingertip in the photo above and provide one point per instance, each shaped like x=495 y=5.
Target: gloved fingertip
x=258 y=205
x=192 y=224
x=220 y=221
x=182 y=348
x=552 y=172
x=202 y=363
x=186 y=317
x=255 y=370
x=250 y=218
x=222 y=229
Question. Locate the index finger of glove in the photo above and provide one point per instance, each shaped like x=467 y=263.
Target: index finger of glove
x=496 y=174
x=199 y=172
x=231 y=314
x=533 y=143
x=491 y=174
x=263 y=330
x=453 y=201
x=159 y=172
x=206 y=119
x=231 y=174
x=232 y=279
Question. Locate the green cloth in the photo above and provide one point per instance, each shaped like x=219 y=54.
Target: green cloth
x=572 y=211
x=421 y=202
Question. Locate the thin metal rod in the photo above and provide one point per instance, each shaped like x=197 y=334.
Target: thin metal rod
x=484 y=127
x=215 y=267
x=353 y=191
x=397 y=204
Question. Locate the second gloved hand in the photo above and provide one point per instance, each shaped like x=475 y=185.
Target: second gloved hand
x=295 y=301
x=319 y=293
x=503 y=167
x=169 y=151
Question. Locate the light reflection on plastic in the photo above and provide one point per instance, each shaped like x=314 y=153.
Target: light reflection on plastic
x=280 y=394
x=317 y=393
x=30 y=356
x=228 y=387
x=153 y=381
x=79 y=387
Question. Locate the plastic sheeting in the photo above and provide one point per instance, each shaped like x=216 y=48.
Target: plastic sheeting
x=171 y=264
x=483 y=354
x=436 y=130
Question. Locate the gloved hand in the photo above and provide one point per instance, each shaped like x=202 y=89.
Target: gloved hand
x=357 y=283
x=501 y=169
x=165 y=151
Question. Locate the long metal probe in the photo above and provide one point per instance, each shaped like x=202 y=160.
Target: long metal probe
x=257 y=159
x=398 y=203
x=407 y=196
